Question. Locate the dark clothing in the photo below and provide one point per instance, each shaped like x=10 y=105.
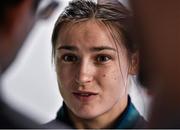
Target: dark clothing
x=129 y=119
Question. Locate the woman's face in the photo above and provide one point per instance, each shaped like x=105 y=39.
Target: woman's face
x=91 y=70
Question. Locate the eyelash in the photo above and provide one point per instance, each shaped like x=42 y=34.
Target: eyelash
x=99 y=59
x=69 y=58
x=105 y=59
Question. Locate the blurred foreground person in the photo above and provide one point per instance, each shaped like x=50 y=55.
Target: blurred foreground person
x=94 y=57
x=17 y=18
x=158 y=26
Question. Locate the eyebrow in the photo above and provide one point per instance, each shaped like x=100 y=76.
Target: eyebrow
x=67 y=47
x=94 y=49
x=101 y=48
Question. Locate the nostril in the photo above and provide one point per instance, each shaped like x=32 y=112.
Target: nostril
x=82 y=82
x=79 y=82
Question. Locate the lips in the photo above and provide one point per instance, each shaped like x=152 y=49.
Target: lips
x=85 y=96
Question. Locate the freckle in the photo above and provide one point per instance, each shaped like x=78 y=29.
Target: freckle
x=104 y=75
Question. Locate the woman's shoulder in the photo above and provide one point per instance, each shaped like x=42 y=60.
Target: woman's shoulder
x=130 y=118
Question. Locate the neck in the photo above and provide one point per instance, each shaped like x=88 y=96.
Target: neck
x=105 y=120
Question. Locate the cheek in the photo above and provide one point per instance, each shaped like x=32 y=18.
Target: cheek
x=109 y=74
x=65 y=75
x=112 y=86
x=112 y=78
x=108 y=78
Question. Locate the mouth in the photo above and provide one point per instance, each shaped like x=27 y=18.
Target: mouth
x=85 y=96
x=84 y=93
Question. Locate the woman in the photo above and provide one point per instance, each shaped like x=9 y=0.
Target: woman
x=94 y=56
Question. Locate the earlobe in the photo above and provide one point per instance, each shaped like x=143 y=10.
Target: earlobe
x=134 y=64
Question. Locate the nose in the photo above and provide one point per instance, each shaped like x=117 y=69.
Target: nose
x=84 y=73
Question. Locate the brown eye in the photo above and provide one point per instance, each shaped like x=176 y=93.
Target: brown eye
x=70 y=58
x=103 y=58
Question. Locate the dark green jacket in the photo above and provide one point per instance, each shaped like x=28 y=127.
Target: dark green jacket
x=129 y=119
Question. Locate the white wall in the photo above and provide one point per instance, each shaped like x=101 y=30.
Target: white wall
x=30 y=85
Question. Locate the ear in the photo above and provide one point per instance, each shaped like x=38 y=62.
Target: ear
x=134 y=64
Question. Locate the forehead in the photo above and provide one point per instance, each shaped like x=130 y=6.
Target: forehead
x=91 y=32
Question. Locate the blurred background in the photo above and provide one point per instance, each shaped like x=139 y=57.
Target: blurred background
x=30 y=84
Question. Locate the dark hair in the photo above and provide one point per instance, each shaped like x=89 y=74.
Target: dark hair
x=111 y=13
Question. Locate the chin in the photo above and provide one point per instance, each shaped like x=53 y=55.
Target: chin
x=88 y=115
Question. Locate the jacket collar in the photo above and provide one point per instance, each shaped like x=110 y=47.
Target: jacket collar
x=126 y=120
